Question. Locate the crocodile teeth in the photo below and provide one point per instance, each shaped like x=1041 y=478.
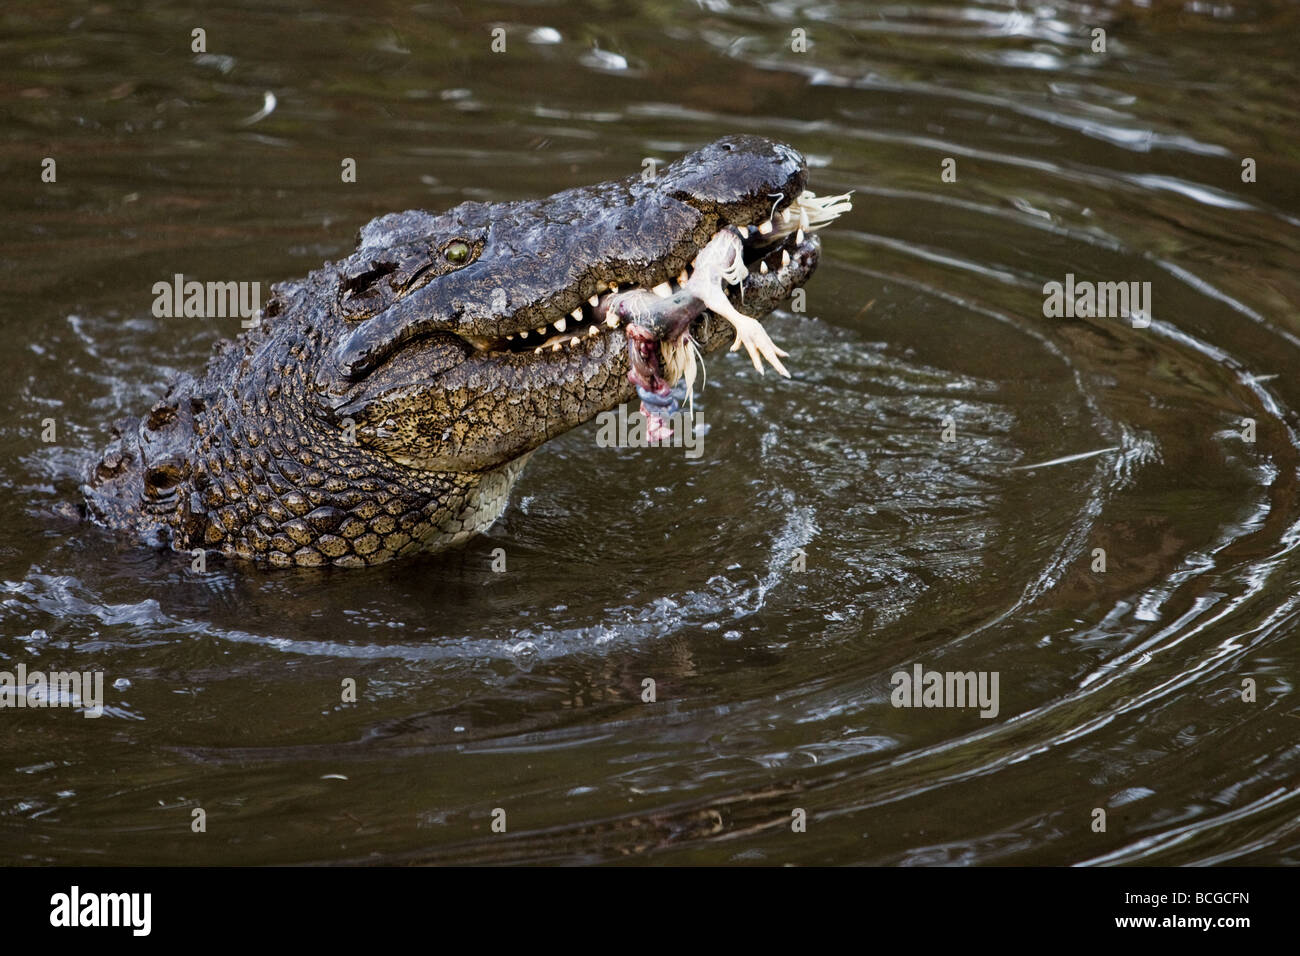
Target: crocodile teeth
x=611 y=321
x=785 y=258
x=593 y=301
x=555 y=347
x=541 y=330
x=577 y=315
x=510 y=337
x=575 y=341
x=523 y=334
x=798 y=237
x=560 y=325
x=765 y=228
x=613 y=287
x=762 y=267
x=663 y=290
x=683 y=277
x=538 y=350
x=592 y=330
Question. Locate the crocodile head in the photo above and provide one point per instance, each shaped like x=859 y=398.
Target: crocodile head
x=386 y=403
x=474 y=336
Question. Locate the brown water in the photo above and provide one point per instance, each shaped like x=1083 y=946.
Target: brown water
x=1119 y=690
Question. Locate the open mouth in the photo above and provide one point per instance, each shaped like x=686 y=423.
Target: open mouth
x=779 y=251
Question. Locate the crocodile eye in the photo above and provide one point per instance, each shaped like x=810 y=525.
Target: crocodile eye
x=456 y=253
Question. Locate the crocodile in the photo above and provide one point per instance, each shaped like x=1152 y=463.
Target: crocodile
x=386 y=403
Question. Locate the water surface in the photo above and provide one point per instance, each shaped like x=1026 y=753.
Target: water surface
x=1119 y=689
